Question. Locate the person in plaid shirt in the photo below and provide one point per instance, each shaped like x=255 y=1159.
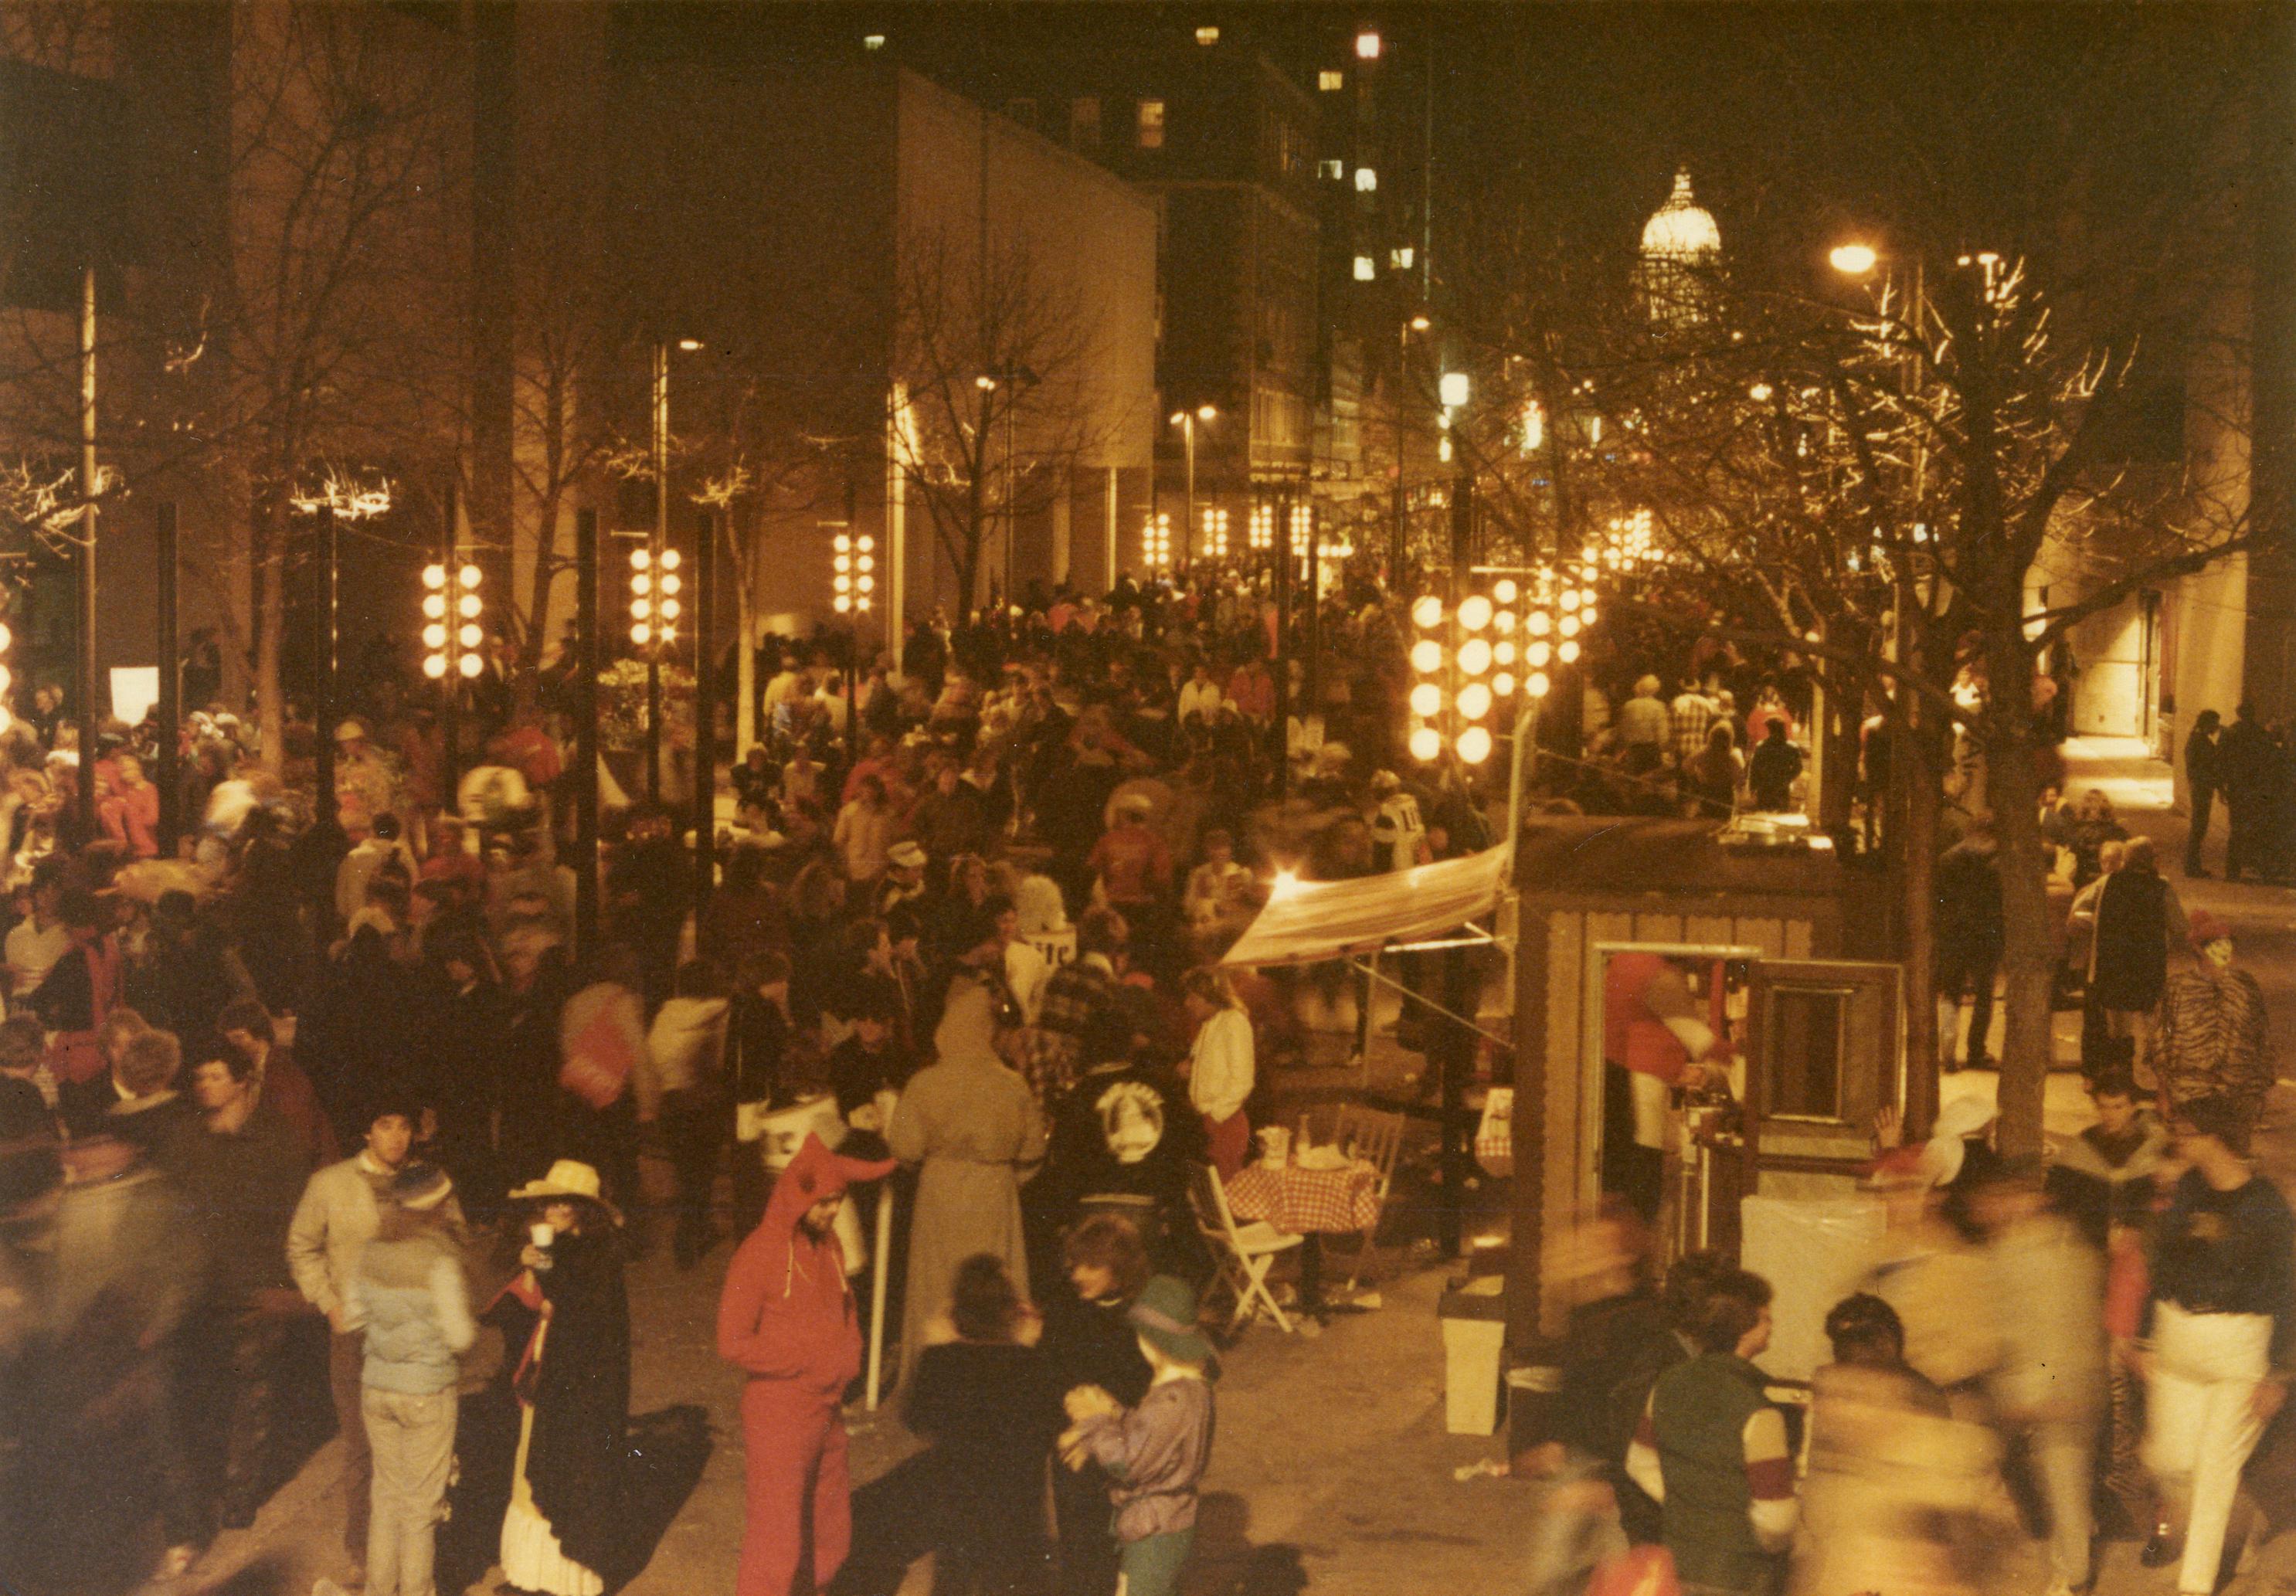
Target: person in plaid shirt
x=1689 y=719
x=1072 y=995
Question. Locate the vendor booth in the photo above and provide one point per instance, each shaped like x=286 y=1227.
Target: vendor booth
x=1705 y=1021
x=1703 y=1031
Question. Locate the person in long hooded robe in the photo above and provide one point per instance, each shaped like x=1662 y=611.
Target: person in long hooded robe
x=973 y=1126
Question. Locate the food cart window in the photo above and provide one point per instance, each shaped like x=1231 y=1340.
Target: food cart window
x=1809 y=1041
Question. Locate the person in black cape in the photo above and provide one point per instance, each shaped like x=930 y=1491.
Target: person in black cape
x=563 y=1531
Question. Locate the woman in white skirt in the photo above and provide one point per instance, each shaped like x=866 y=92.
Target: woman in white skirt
x=563 y=1533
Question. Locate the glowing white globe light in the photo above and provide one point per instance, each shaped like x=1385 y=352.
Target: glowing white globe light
x=471 y=665
x=1474 y=701
x=434 y=665
x=472 y=576
x=1474 y=745
x=671 y=559
x=1426 y=743
x=1427 y=612
x=434 y=636
x=1567 y=652
x=1538 y=684
x=1474 y=656
x=1475 y=612
x=1426 y=700
x=1504 y=685
x=1537 y=654
x=1538 y=623
x=434 y=576
x=1504 y=590
x=1427 y=656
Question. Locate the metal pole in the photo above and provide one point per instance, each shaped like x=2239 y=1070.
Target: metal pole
x=586 y=732
x=326 y=810
x=1282 y=552
x=660 y=541
x=86 y=555
x=705 y=711
x=451 y=712
x=1458 y=1048
x=1188 y=532
x=171 y=691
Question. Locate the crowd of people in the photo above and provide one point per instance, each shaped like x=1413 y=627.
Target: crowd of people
x=330 y=1120
x=2118 y=1328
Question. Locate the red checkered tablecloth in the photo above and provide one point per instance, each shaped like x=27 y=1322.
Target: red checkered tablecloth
x=1296 y=1200
x=1494 y=1134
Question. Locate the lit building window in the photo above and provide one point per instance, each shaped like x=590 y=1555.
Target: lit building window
x=1367 y=46
x=1330 y=80
x=873 y=41
x=1207 y=35
x=1335 y=169
x=1365 y=268
x=1367 y=181
x=1152 y=124
x=1403 y=257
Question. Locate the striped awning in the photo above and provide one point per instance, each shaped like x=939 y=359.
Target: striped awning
x=1309 y=921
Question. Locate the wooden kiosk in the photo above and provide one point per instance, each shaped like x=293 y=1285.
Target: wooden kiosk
x=1784 y=948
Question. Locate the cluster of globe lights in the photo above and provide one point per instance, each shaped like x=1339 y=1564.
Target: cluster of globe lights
x=452 y=640
x=654 y=608
x=1500 y=645
x=854 y=586
x=1156 y=540
x=1215 y=532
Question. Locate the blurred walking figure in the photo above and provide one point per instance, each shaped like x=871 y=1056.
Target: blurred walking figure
x=2046 y=1287
x=2224 y=1329
x=1896 y=1489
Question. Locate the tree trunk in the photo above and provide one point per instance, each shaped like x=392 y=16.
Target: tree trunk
x=270 y=557
x=2029 y=953
x=546 y=576
x=1919 y=777
x=745 y=647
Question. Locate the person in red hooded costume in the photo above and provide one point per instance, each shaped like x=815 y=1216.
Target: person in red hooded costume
x=788 y=1320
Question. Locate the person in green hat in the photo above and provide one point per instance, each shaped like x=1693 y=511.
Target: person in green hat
x=1155 y=1452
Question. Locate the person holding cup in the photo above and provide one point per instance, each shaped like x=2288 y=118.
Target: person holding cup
x=573 y=1386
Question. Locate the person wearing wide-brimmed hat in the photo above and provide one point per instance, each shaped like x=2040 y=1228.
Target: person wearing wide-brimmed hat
x=573 y=1385
x=1158 y=1449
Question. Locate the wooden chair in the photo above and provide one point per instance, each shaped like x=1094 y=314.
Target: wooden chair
x=1244 y=1253
x=1376 y=1137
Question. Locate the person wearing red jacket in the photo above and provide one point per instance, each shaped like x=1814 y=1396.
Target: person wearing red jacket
x=787 y=1319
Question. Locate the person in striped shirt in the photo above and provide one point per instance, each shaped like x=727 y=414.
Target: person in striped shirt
x=1710 y=1449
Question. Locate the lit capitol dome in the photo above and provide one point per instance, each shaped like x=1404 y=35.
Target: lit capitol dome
x=1681 y=231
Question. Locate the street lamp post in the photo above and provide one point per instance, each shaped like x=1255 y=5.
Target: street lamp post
x=658 y=548
x=1398 y=497
x=853 y=589
x=1185 y=420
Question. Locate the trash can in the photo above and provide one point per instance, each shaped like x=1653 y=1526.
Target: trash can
x=1474 y=1339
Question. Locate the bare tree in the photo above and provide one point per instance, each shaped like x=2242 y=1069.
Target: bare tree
x=998 y=362
x=1869 y=481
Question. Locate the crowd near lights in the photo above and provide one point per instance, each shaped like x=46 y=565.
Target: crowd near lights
x=1156 y=540
x=1213 y=532
x=854 y=587
x=451 y=632
x=655 y=606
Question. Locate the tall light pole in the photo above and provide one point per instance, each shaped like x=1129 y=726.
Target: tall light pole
x=656 y=545
x=1185 y=420
x=1398 y=497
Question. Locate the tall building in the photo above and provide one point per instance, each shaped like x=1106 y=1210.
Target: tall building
x=1209 y=125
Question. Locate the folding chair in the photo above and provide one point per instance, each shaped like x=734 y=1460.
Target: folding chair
x=1242 y=1253
x=1376 y=1138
